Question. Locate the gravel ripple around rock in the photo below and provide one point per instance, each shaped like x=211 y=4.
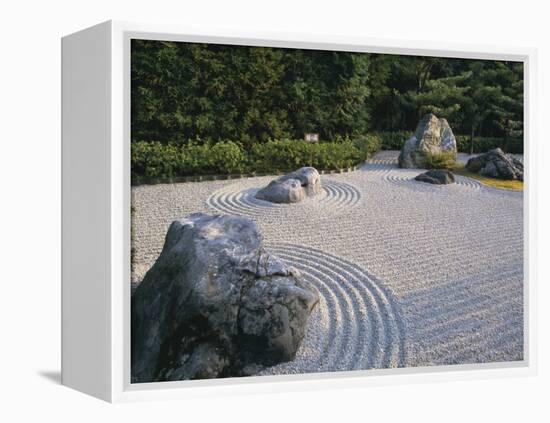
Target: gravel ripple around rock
x=356 y=325
x=407 y=180
x=410 y=274
x=240 y=200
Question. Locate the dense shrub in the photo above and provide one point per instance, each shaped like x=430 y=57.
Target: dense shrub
x=250 y=94
x=224 y=157
x=440 y=161
x=393 y=140
x=281 y=156
x=368 y=145
x=253 y=94
x=157 y=160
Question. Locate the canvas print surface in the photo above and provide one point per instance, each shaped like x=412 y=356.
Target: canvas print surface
x=298 y=211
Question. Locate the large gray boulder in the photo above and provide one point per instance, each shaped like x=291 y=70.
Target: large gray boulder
x=496 y=164
x=292 y=187
x=216 y=304
x=434 y=136
x=437 y=177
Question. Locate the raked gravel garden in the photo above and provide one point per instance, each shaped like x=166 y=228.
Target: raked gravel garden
x=408 y=273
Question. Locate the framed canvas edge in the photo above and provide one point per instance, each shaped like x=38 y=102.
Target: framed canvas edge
x=119 y=290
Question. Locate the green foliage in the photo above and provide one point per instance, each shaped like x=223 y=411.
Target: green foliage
x=154 y=159
x=157 y=160
x=440 y=161
x=225 y=157
x=484 y=144
x=393 y=140
x=186 y=91
x=368 y=145
x=211 y=93
x=442 y=97
x=478 y=97
x=286 y=155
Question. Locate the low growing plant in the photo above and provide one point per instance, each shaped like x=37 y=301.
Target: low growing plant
x=446 y=160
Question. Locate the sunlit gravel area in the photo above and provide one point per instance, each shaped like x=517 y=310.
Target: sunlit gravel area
x=409 y=274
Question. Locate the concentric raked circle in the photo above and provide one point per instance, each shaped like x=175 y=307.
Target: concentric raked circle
x=407 y=180
x=335 y=197
x=356 y=324
x=386 y=168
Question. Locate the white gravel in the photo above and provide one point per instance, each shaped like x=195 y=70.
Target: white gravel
x=409 y=274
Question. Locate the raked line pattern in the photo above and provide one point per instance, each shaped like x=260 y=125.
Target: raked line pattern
x=334 y=198
x=447 y=260
x=356 y=325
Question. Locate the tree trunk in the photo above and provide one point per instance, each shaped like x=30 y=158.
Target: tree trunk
x=472 y=140
x=391 y=110
x=506 y=132
x=480 y=132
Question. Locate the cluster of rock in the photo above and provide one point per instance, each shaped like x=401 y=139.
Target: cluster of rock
x=432 y=136
x=292 y=187
x=216 y=304
x=496 y=164
x=437 y=177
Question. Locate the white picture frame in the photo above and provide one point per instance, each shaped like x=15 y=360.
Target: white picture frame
x=96 y=226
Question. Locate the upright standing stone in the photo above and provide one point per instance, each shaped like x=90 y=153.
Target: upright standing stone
x=432 y=136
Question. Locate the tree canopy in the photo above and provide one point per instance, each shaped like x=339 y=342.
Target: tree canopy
x=189 y=91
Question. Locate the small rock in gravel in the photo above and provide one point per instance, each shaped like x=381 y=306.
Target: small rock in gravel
x=292 y=187
x=437 y=177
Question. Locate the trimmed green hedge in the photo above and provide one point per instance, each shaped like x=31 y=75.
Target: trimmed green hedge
x=395 y=140
x=287 y=155
x=152 y=159
x=156 y=160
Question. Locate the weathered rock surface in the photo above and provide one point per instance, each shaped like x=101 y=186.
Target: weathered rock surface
x=436 y=176
x=292 y=187
x=433 y=135
x=216 y=304
x=496 y=164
